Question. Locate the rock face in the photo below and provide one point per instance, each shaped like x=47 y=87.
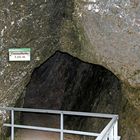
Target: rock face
x=100 y=32
x=113 y=29
x=34 y=24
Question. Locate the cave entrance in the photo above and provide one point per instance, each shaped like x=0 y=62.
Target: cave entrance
x=64 y=82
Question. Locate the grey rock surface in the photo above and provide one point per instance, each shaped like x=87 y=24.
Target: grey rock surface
x=26 y=24
x=113 y=29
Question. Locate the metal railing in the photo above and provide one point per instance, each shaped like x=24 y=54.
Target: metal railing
x=110 y=132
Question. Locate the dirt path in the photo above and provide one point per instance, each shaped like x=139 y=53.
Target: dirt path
x=38 y=135
x=44 y=121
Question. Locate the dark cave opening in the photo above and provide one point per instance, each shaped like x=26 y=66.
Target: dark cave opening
x=64 y=82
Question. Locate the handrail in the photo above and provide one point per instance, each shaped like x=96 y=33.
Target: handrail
x=54 y=130
x=110 y=131
x=107 y=129
x=75 y=113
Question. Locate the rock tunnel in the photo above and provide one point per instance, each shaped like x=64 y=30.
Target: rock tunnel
x=64 y=82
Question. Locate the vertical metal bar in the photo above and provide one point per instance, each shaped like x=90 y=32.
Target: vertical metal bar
x=116 y=130
x=62 y=126
x=106 y=137
x=12 y=123
x=111 y=134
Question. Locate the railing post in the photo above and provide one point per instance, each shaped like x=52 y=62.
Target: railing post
x=111 y=134
x=12 y=123
x=116 y=130
x=62 y=126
